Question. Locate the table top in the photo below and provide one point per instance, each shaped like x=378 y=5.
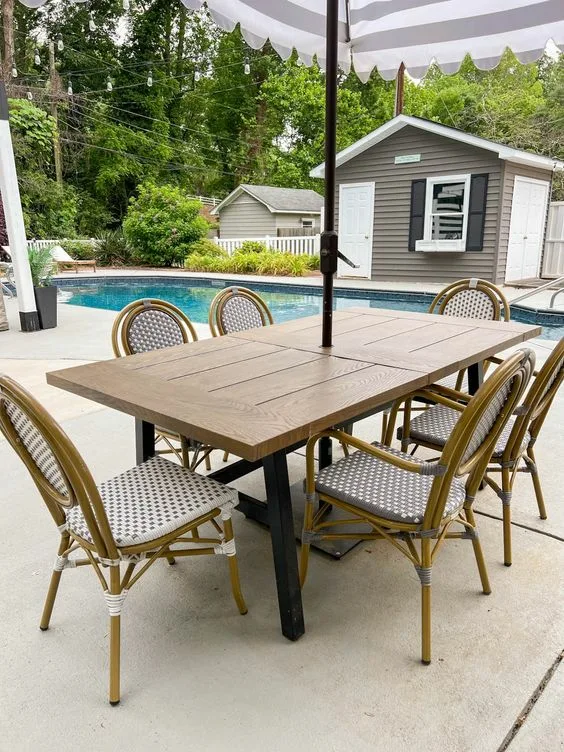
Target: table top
x=262 y=390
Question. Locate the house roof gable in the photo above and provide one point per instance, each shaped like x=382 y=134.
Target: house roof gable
x=277 y=200
x=506 y=153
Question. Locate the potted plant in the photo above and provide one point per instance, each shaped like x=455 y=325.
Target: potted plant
x=41 y=266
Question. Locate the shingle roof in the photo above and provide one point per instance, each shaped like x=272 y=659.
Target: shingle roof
x=279 y=199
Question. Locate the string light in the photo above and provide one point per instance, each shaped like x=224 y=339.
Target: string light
x=36 y=57
x=60 y=43
x=69 y=88
x=197 y=75
x=125 y=4
x=150 y=79
x=109 y=85
x=91 y=23
x=29 y=95
x=14 y=71
x=247 y=66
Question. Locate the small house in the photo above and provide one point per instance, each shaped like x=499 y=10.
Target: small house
x=419 y=201
x=259 y=211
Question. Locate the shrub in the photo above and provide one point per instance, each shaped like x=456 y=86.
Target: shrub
x=252 y=246
x=269 y=263
x=206 y=247
x=313 y=262
x=41 y=266
x=161 y=224
x=79 y=250
x=113 y=249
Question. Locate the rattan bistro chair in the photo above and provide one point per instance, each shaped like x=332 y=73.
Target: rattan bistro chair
x=152 y=324
x=236 y=309
x=132 y=519
x=514 y=450
x=404 y=498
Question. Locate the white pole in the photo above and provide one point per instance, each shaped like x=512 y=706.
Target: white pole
x=15 y=228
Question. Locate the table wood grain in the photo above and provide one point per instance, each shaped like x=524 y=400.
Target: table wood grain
x=256 y=392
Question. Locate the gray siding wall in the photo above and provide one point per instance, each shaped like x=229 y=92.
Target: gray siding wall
x=391 y=259
x=245 y=217
x=295 y=220
x=509 y=172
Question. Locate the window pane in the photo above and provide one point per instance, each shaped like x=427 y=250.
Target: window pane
x=448 y=197
x=446 y=226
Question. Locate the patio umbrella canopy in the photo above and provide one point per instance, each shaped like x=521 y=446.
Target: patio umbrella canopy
x=382 y=34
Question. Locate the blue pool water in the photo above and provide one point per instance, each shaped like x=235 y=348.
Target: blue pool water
x=286 y=302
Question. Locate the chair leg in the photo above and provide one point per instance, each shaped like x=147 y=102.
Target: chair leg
x=225 y=456
x=115 y=639
x=53 y=587
x=233 y=566
x=309 y=511
x=405 y=440
x=208 y=462
x=506 y=506
x=384 y=427
x=424 y=573
x=478 y=553
x=536 y=483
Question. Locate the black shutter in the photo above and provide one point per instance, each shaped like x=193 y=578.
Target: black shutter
x=477 y=212
x=417 y=212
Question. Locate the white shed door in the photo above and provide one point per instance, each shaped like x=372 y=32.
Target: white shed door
x=356 y=221
x=526 y=229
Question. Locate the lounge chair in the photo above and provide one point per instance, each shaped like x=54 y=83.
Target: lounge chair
x=132 y=519
x=64 y=261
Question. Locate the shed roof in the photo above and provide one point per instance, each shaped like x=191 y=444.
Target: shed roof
x=278 y=200
x=504 y=152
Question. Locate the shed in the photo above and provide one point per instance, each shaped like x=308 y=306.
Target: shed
x=257 y=211
x=419 y=201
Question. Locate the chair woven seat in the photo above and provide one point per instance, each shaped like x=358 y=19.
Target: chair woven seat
x=152 y=500
x=434 y=426
x=383 y=489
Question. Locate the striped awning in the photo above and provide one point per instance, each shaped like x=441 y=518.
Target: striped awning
x=384 y=33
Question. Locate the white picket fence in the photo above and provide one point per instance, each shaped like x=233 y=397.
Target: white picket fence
x=301 y=245
x=39 y=244
x=553 y=263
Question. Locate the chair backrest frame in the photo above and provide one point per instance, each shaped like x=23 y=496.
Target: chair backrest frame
x=126 y=318
x=74 y=471
x=506 y=384
x=225 y=297
x=467 y=286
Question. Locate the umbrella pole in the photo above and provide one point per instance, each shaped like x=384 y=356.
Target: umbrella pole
x=328 y=242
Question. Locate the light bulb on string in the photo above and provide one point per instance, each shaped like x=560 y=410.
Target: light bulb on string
x=109 y=85
x=60 y=43
x=91 y=23
x=247 y=66
x=14 y=71
x=69 y=89
x=150 y=79
x=125 y=4
x=29 y=95
x=36 y=57
x=197 y=75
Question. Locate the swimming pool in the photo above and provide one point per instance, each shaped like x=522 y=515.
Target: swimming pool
x=194 y=295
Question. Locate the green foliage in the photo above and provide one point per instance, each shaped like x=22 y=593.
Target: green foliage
x=270 y=263
x=113 y=249
x=41 y=266
x=78 y=249
x=161 y=224
x=49 y=210
x=252 y=246
x=32 y=129
x=206 y=247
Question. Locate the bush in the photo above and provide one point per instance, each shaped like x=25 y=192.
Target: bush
x=41 y=266
x=79 y=250
x=206 y=247
x=268 y=263
x=161 y=224
x=252 y=246
x=113 y=249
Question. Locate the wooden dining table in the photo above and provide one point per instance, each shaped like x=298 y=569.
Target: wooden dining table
x=261 y=393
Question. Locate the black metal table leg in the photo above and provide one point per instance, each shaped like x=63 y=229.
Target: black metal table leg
x=475 y=377
x=325 y=452
x=283 y=544
x=144 y=440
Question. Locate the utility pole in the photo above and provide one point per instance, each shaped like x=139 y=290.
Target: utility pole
x=398 y=104
x=54 y=90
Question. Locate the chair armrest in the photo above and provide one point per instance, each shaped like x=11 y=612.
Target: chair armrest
x=442 y=395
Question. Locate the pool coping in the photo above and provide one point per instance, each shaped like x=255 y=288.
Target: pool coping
x=313 y=285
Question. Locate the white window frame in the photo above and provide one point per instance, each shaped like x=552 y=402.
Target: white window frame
x=427 y=243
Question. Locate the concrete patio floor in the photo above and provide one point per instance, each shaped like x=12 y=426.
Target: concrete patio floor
x=195 y=674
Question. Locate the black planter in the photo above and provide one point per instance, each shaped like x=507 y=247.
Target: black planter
x=46 y=301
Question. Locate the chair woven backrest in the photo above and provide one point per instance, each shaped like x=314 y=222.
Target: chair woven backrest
x=236 y=309
x=471 y=299
x=58 y=470
x=537 y=401
x=150 y=324
x=473 y=438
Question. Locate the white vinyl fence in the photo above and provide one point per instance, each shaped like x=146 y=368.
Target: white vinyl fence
x=301 y=245
x=39 y=244
x=553 y=264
